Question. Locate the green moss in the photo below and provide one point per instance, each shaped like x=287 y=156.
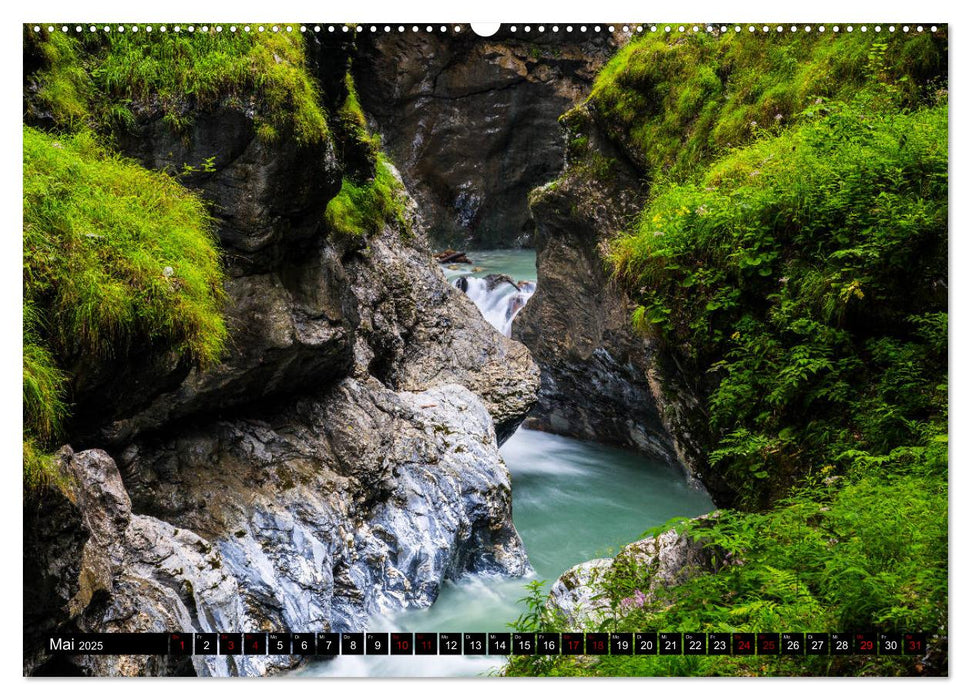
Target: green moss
x=363 y=208
x=676 y=101
x=263 y=70
x=63 y=86
x=351 y=114
x=115 y=257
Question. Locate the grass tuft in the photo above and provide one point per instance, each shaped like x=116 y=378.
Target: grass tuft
x=106 y=77
x=115 y=258
x=676 y=102
x=362 y=209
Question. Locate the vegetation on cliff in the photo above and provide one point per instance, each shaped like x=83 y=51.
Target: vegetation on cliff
x=362 y=207
x=371 y=194
x=799 y=264
x=674 y=102
x=119 y=259
x=808 y=274
x=101 y=79
x=115 y=256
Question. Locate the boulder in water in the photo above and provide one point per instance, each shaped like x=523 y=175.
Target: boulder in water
x=452 y=256
x=667 y=560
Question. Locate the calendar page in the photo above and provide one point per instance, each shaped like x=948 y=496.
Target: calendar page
x=603 y=349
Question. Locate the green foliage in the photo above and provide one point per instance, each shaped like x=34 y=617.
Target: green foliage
x=115 y=257
x=806 y=274
x=115 y=253
x=675 y=101
x=64 y=87
x=105 y=75
x=43 y=396
x=353 y=124
x=363 y=208
x=797 y=267
x=43 y=402
x=864 y=552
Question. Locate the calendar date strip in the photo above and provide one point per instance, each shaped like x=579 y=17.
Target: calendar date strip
x=329 y=644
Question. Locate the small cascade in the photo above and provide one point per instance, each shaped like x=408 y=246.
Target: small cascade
x=498 y=298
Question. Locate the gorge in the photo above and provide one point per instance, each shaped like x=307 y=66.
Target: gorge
x=254 y=400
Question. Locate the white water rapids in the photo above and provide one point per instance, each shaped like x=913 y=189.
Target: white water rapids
x=498 y=282
x=572 y=501
x=498 y=299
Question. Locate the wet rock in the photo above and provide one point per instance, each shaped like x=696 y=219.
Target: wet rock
x=601 y=380
x=664 y=561
x=316 y=517
x=125 y=573
x=289 y=329
x=471 y=122
x=417 y=331
x=576 y=599
x=495 y=279
x=267 y=197
x=363 y=501
x=577 y=325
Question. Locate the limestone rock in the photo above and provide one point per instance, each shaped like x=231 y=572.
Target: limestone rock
x=422 y=332
x=577 y=325
x=600 y=380
x=314 y=518
x=439 y=98
x=666 y=560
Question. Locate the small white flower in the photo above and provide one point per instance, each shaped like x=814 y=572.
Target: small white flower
x=168 y=271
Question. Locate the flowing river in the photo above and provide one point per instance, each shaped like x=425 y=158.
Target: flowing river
x=572 y=501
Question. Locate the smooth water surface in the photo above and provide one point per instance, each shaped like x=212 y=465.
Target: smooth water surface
x=518 y=263
x=572 y=501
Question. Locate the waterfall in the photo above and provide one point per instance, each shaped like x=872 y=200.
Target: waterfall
x=499 y=298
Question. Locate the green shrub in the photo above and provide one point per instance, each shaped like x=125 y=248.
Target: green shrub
x=803 y=272
x=863 y=553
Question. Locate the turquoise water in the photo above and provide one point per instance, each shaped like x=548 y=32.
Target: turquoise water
x=572 y=501
x=518 y=263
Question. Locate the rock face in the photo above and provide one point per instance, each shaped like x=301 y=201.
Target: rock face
x=286 y=312
x=666 y=560
x=341 y=460
x=418 y=331
x=471 y=121
x=577 y=325
x=600 y=380
x=359 y=501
